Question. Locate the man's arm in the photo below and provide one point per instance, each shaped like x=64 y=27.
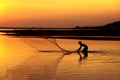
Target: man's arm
x=80 y=48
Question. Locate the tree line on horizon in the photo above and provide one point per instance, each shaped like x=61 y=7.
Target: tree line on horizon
x=111 y=29
x=114 y=25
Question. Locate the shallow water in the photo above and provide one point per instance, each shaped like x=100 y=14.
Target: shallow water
x=21 y=59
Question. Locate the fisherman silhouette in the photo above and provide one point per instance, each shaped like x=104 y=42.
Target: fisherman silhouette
x=84 y=50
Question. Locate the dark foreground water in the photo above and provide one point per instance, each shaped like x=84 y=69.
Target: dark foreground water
x=23 y=59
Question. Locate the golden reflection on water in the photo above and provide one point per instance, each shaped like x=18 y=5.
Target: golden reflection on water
x=35 y=67
x=2 y=49
x=12 y=52
x=20 y=60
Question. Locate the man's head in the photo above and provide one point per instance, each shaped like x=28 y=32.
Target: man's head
x=80 y=42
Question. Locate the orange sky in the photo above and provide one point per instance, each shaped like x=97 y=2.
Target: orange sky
x=58 y=13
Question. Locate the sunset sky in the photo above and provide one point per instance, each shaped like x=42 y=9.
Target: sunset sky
x=58 y=13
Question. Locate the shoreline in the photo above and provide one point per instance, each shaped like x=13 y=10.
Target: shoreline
x=115 y=38
x=88 y=34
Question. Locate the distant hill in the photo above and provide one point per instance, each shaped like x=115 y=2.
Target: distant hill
x=114 y=25
x=111 y=29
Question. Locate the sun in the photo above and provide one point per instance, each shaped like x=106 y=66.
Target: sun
x=2 y=8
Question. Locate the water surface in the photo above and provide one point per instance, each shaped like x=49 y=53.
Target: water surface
x=21 y=59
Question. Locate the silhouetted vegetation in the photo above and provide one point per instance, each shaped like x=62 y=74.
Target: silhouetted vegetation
x=112 y=29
